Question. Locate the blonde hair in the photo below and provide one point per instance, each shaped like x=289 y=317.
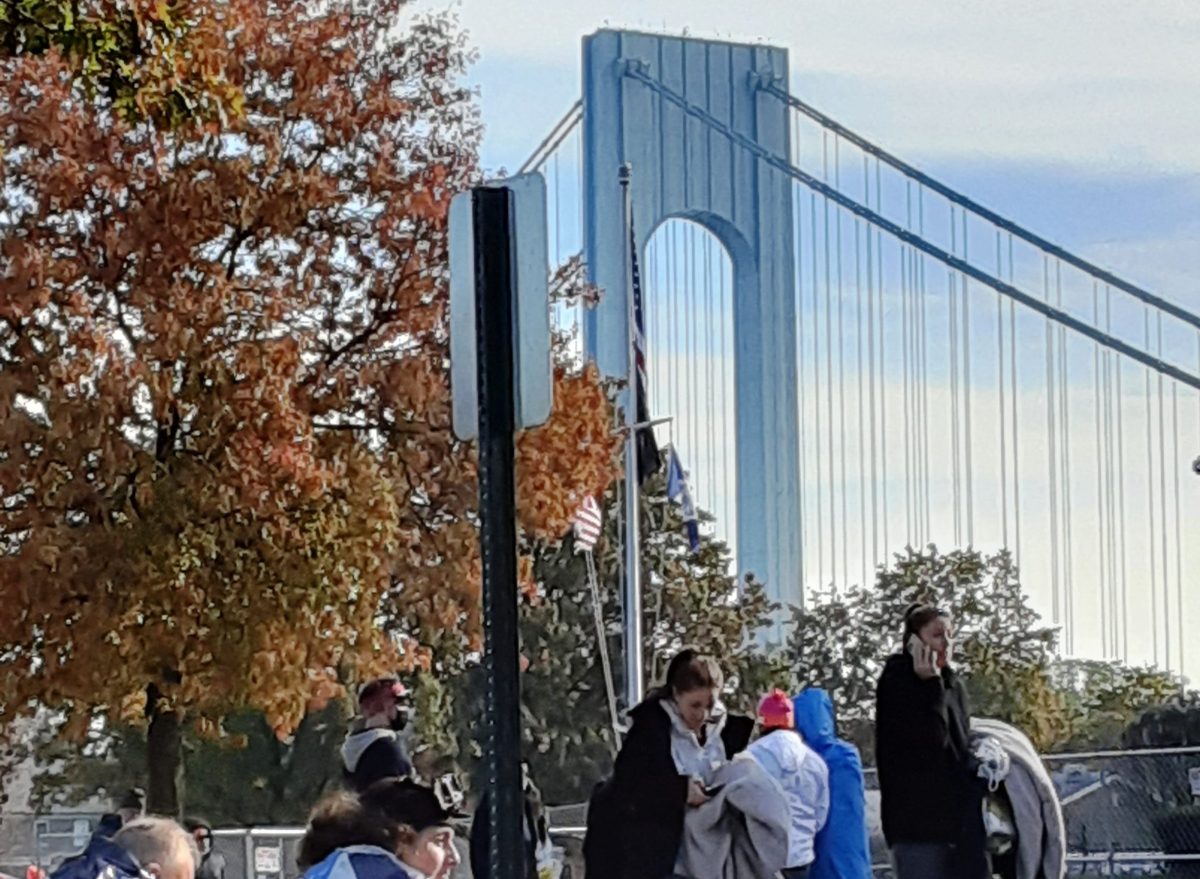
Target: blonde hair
x=157 y=841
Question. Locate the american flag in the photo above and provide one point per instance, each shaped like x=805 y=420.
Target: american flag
x=649 y=461
x=588 y=523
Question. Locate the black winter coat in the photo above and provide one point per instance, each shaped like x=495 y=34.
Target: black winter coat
x=923 y=755
x=637 y=827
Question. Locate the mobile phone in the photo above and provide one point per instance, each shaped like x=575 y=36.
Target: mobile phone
x=714 y=790
x=914 y=646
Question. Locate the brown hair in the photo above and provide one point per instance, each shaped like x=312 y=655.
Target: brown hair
x=917 y=616
x=341 y=820
x=692 y=670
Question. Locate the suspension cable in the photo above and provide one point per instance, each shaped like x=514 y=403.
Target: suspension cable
x=1101 y=497
x=837 y=182
x=1065 y=470
x=816 y=305
x=1110 y=403
x=968 y=439
x=862 y=440
x=883 y=399
x=730 y=462
x=690 y=317
x=1150 y=498
x=559 y=133
x=871 y=372
x=1003 y=410
x=905 y=279
x=1178 y=529
x=1124 y=520
x=798 y=272
x=829 y=377
x=633 y=70
x=979 y=210
x=1162 y=501
x=952 y=292
x=1052 y=446
x=709 y=462
x=1016 y=444
x=928 y=525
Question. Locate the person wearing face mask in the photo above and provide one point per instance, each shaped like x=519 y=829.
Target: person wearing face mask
x=931 y=802
x=679 y=736
x=374 y=750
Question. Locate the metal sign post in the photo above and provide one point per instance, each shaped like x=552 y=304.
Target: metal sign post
x=501 y=380
x=498 y=532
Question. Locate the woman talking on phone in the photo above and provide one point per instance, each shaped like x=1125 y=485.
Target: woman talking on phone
x=680 y=735
x=932 y=805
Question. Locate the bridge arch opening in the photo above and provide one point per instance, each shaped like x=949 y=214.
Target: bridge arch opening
x=690 y=282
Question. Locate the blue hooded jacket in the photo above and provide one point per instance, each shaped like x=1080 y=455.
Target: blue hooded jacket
x=358 y=862
x=102 y=859
x=843 y=847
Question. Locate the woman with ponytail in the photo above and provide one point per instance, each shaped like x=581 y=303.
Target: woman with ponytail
x=932 y=804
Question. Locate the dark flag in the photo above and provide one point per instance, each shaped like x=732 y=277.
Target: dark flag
x=649 y=461
x=679 y=492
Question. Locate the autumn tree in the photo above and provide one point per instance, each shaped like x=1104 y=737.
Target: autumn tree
x=227 y=473
x=149 y=59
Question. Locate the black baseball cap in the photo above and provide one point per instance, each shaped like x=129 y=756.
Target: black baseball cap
x=406 y=802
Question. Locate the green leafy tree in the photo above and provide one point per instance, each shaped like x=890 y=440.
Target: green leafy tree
x=690 y=599
x=252 y=778
x=840 y=641
x=1005 y=652
x=1104 y=700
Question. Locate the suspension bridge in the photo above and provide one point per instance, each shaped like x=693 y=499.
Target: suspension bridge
x=857 y=359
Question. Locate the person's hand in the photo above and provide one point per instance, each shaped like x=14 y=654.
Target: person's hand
x=925 y=662
x=696 y=794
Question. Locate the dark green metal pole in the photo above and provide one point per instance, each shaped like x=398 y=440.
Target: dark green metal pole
x=494 y=308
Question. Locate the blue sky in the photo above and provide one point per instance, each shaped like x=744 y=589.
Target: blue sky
x=1076 y=118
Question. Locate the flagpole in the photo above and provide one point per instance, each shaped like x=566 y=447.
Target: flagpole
x=602 y=644
x=633 y=569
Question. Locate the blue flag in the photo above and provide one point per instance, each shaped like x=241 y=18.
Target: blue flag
x=678 y=491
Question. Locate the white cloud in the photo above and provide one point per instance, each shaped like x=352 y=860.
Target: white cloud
x=1097 y=88
x=1103 y=82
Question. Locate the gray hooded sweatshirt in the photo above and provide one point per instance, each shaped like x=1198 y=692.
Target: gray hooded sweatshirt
x=1041 y=836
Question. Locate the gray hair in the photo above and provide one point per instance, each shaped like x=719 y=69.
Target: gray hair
x=157 y=841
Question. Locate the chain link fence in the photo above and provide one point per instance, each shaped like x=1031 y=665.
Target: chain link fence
x=1127 y=813
x=1131 y=813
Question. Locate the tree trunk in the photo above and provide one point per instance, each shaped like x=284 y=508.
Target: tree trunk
x=164 y=757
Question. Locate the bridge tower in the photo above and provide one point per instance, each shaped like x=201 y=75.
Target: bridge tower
x=684 y=170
